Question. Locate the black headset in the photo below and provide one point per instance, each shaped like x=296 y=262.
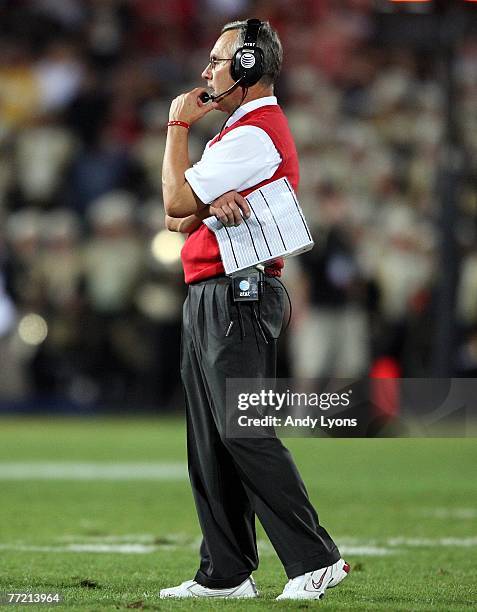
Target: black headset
x=247 y=62
x=247 y=65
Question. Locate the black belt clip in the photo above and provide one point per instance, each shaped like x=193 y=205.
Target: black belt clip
x=247 y=287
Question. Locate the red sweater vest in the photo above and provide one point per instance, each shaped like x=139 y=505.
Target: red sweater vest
x=200 y=253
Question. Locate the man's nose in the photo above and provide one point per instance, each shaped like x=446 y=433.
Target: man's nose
x=207 y=74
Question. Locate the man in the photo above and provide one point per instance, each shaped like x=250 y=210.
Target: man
x=235 y=479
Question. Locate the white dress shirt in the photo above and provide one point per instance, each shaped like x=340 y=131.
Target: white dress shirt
x=241 y=159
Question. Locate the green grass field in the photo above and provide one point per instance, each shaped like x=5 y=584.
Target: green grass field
x=404 y=513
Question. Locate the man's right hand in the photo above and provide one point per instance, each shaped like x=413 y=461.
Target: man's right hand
x=230 y=208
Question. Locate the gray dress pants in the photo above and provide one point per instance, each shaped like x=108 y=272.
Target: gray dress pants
x=234 y=479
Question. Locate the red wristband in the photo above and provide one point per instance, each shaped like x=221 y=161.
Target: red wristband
x=181 y=123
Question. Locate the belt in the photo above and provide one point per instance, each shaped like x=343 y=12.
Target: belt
x=218 y=278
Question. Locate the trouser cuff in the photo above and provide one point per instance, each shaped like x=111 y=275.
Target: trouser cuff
x=221 y=583
x=312 y=563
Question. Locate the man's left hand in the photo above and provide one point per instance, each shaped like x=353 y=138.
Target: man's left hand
x=189 y=107
x=230 y=208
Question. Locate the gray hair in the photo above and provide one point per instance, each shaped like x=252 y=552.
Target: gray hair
x=270 y=44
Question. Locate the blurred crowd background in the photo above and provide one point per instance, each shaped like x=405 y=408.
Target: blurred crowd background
x=91 y=286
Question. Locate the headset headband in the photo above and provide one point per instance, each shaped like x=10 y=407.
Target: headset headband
x=251 y=33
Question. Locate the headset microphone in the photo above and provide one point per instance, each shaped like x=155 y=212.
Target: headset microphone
x=207 y=97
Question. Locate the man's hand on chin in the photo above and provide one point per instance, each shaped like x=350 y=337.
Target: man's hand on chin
x=188 y=107
x=230 y=208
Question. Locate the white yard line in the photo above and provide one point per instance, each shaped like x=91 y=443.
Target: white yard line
x=87 y=548
x=366 y=551
x=146 y=543
x=67 y=470
x=460 y=514
x=469 y=542
x=128 y=538
x=369 y=551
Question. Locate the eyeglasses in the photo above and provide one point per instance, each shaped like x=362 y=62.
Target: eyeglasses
x=215 y=61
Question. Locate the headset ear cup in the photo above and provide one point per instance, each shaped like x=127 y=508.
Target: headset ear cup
x=247 y=65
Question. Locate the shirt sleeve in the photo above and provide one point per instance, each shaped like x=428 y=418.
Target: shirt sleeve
x=243 y=158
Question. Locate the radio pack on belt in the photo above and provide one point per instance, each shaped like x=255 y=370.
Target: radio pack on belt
x=246 y=287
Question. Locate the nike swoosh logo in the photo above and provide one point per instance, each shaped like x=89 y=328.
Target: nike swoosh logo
x=317 y=585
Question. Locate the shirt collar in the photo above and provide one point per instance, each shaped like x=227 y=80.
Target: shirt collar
x=250 y=106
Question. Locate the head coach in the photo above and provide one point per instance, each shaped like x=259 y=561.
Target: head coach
x=235 y=479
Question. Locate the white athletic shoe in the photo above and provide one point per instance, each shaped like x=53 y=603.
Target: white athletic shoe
x=339 y=573
x=191 y=588
x=313 y=585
